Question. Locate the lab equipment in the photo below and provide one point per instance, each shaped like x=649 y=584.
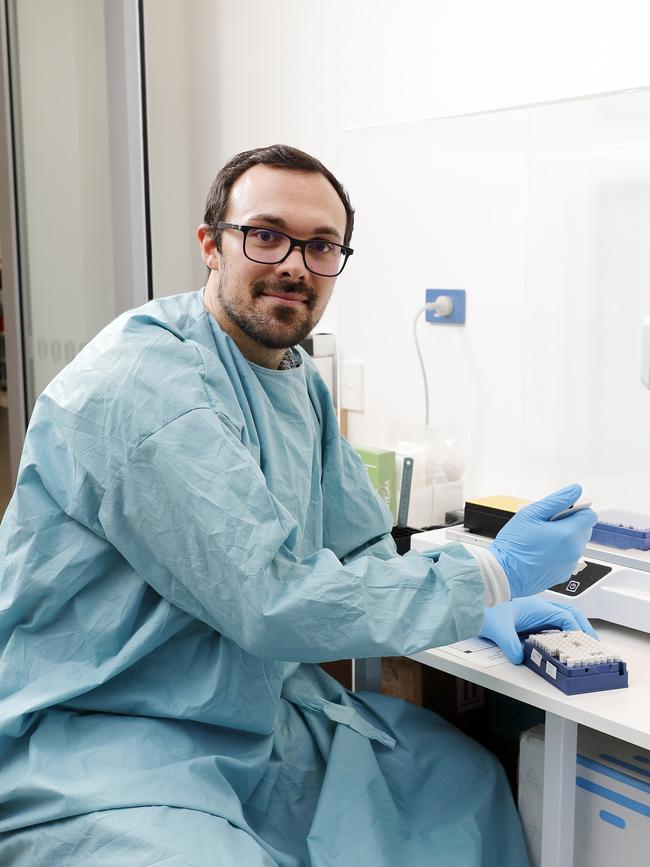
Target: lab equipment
x=401 y=533
x=488 y=515
x=503 y=623
x=421 y=492
x=439 y=459
x=576 y=507
x=535 y=552
x=581 y=504
x=622 y=529
x=618 y=594
x=613 y=587
x=574 y=662
x=405 y=492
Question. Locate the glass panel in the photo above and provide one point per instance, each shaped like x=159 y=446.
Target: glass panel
x=60 y=96
x=542 y=213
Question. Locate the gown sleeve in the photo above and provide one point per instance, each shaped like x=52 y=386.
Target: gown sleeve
x=191 y=512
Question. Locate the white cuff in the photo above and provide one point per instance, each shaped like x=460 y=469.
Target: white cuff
x=497 y=587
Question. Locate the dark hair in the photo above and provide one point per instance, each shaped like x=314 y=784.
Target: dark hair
x=279 y=155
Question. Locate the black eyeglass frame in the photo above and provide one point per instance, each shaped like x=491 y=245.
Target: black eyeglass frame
x=295 y=242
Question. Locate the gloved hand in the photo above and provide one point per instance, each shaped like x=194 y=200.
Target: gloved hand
x=537 y=553
x=502 y=622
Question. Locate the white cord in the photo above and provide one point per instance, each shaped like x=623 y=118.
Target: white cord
x=443 y=306
x=424 y=371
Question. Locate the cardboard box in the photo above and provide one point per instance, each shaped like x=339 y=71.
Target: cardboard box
x=458 y=701
x=402 y=678
x=612 y=822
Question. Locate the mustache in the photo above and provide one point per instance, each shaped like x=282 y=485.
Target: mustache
x=260 y=287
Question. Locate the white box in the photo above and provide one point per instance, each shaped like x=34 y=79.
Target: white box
x=612 y=822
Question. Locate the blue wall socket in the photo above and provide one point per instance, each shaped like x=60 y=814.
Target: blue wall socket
x=458 y=313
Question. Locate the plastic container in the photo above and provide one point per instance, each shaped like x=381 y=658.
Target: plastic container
x=574 y=681
x=620 y=529
x=402 y=537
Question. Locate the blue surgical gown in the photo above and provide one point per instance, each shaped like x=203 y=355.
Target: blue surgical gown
x=189 y=534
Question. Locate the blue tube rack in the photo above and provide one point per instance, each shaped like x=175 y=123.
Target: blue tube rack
x=575 y=680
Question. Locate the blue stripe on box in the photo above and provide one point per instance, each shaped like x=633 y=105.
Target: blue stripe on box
x=612 y=819
x=614 y=775
x=611 y=795
x=622 y=764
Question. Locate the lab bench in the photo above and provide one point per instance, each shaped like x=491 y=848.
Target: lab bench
x=621 y=713
x=624 y=714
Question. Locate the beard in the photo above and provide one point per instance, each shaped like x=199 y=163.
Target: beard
x=279 y=327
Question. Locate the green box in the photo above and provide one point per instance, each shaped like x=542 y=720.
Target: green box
x=380 y=464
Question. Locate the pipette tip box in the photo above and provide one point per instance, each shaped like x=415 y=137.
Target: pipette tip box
x=574 y=662
x=620 y=529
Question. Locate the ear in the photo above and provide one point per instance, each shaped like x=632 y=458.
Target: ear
x=209 y=252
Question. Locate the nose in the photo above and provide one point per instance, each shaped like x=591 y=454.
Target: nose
x=293 y=266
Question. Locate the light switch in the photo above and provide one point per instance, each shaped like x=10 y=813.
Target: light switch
x=352 y=385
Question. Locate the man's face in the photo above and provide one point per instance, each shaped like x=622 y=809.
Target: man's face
x=273 y=305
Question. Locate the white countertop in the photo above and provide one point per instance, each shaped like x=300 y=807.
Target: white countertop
x=622 y=713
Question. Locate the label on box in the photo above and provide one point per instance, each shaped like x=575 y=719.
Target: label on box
x=551 y=670
x=536 y=656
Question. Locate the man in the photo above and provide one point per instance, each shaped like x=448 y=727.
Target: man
x=188 y=533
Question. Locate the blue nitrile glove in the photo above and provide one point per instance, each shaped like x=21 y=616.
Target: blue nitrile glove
x=537 y=553
x=529 y=613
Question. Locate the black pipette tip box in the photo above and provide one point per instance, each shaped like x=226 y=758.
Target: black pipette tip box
x=488 y=515
x=402 y=537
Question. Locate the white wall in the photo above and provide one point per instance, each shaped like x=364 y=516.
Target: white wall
x=251 y=74
x=221 y=80
x=418 y=58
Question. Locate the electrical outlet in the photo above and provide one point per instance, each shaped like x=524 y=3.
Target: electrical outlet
x=457 y=316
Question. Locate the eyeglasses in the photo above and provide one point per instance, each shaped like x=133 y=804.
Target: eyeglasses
x=270 y=247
